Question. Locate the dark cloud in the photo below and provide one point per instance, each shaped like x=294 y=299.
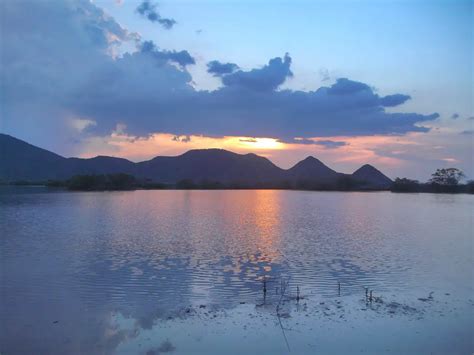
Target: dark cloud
x=175 y=106
x=468 y=132
x=344 y=86
x=394 y=100
x=248 y=140
x=148 y=9
x=268 y=78
x=455 y=116
x=217 y=68
x=66 y=70
x=329 y=144
x=183 y=58
x=184 y=139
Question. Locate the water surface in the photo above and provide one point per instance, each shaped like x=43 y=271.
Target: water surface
x=144 y=271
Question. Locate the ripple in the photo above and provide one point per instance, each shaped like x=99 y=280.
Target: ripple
x=145 y=252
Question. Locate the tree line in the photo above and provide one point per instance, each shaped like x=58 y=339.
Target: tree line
x=446 y=180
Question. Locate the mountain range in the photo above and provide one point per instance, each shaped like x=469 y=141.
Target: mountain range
x=21 y=161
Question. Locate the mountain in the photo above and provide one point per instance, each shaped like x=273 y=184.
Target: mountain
x=313 y=169
x=100 y=165
x=370 y=176
x=22 y=161
x=213 y=165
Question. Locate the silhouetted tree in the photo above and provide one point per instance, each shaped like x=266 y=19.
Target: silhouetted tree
x=470 y=187
x=346 y=183
x=102 y=182
x=405 y=185
x=119 y=181
x=186 y=184
x=449 y=176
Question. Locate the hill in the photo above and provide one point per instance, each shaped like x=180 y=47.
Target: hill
x=22 y=161
x=370 y=177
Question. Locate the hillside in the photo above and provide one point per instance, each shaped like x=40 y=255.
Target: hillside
x=22 y=161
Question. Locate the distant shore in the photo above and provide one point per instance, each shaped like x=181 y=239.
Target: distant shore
x=125 y=182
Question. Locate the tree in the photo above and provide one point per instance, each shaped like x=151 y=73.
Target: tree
x=405 y=185
x=447 y=177
x=186 y=184
x=470 y=187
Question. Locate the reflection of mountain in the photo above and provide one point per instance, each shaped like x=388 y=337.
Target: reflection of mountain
x=22 y=161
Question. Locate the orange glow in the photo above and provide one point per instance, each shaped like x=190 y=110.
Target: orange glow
x=385 y=152
x=261 y=143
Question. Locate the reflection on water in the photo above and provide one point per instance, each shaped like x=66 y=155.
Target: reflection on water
x=79 y=258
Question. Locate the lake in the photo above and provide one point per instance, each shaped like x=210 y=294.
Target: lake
x=183 y=272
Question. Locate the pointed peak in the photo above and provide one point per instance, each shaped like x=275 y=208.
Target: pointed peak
x=371 y=174
x=313 y=168
x=367 y=168
x=311 y=159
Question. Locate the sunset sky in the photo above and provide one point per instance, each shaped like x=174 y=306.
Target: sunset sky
x=388 y=83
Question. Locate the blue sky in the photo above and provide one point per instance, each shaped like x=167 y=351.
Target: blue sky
x=420 y=47
x=381 y=82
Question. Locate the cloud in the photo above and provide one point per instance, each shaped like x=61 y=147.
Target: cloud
x=394 y=100
x=326 y=143
x=66 y=70
x=148 y=9
x=217 y=68
x=450 y=160
x=330 y=144
x=468 y=132
x=163 y=100
x=268 y=78
x=324 y=74
x=248 y=140
x=455 y=116
x=344 y=86
x=183 y=57
x=184 y=139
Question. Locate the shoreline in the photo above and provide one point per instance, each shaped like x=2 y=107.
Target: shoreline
x=172 y=188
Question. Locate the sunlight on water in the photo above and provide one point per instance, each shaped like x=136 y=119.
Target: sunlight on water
x=84 y=260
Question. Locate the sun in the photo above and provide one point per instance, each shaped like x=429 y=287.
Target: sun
x=260 y=143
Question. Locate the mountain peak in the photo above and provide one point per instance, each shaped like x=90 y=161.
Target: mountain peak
x=22 y=161
x=371 y=175
x=312 y=168
x=366 y=167
x=310 y=158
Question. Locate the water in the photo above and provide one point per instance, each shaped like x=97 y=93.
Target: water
x=182 y=271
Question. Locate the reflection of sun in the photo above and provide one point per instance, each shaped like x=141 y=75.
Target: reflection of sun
x=261 y=143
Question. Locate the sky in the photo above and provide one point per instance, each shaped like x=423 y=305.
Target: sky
x=389 y=83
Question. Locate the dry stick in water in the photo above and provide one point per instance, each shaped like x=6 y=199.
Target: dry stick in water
x=339 y=289
x=283 y=289
x=264 y=289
